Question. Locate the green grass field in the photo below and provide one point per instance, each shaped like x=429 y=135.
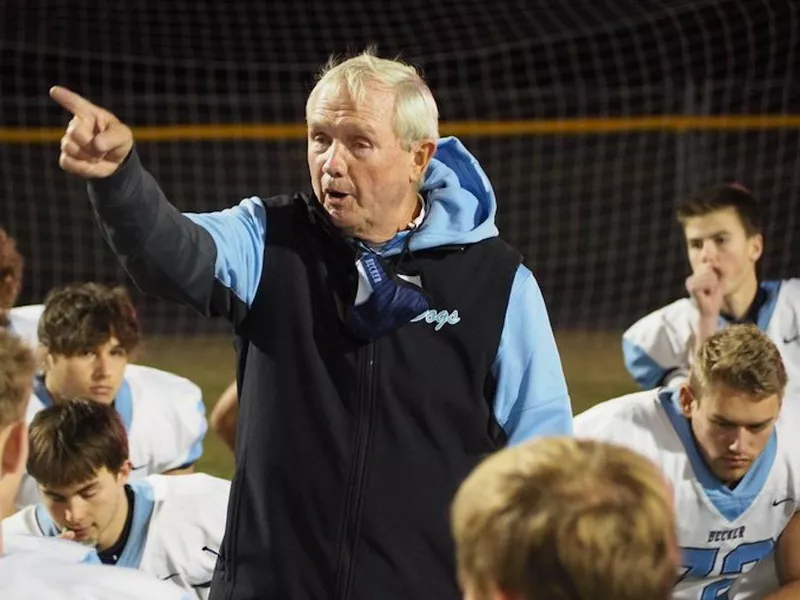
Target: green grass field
x=592 y=364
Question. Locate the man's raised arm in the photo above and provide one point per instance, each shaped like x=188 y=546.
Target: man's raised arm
x=211 y=263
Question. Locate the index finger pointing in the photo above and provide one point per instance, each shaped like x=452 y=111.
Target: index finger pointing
x=69 y=100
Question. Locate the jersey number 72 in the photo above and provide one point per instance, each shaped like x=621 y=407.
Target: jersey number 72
x=700 y=562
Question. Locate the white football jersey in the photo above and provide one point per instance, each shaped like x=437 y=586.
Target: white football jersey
x=28 y=576
x=176 y=529
x=727 y=536
x=163 y=414
x=658 y=348
x=49 y=548
x=24 y=322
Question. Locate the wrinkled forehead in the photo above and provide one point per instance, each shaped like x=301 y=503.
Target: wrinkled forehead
x=370 y=98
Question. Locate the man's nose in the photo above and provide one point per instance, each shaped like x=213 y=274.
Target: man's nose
x=102 y=366
x=709 y=252
x=335 y=164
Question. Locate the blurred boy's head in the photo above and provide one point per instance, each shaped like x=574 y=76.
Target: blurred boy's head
x=565 y=519
x=11 y=264
x=17 y=367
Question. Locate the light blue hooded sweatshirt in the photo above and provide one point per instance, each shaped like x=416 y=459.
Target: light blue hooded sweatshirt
x=531 y=399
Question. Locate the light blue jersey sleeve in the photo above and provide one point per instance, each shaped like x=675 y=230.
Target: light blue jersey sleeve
x=642 y=367
x=531 y=399
x=656 y=348
x=239 y=234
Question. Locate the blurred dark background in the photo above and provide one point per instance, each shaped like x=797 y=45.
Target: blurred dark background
x=591 y=210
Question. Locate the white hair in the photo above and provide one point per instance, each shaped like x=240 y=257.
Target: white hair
x=416 y=116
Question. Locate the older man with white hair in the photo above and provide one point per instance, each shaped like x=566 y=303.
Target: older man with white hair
x=387 y=338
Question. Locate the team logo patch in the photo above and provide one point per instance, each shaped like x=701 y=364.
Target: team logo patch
x=440 y=317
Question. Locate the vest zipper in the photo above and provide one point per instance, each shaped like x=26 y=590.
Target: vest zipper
x=358 y=476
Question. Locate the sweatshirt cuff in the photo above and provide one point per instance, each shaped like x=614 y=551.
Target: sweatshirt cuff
x=117 y=186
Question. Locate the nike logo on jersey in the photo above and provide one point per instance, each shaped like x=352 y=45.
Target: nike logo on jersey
x=789 y=340
x=779 y=502
x=139 y=468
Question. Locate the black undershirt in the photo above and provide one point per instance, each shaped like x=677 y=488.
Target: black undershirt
x=111 y=555
x=751 y=316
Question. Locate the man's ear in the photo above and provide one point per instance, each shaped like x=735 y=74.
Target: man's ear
x=13 y=449
x=40 y=354
x=46 y=358
x=687 y=400
x=422 y=155
x=124 y=472
x=756 y=243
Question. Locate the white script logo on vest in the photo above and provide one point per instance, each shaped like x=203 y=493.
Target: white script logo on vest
x=440 y=317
